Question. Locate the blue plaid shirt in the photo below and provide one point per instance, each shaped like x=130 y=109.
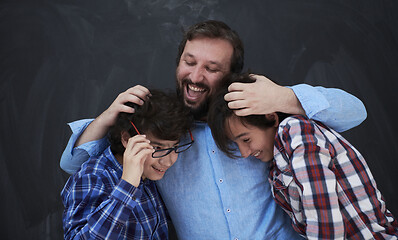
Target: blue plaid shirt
x=100 y=205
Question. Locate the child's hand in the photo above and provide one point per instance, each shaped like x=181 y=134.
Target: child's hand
x=137 y=151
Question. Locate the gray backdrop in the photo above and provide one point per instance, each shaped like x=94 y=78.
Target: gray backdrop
x=62 y=60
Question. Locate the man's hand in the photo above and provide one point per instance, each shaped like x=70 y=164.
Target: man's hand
x=100 y=126
x=262 y=97
x=137 y=94
x=137 y=151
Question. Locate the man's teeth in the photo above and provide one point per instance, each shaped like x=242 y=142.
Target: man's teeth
x=196 y=89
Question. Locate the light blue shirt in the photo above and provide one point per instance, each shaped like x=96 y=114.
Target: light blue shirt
x=211 y=196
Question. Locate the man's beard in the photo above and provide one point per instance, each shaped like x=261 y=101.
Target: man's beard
x=199 y=112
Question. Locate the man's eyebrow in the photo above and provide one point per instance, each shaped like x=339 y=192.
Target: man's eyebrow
x=215 y=63
x=187 y=54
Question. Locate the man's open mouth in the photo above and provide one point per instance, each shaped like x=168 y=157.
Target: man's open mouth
x=194 y=93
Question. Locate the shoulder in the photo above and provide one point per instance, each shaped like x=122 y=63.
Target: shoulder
x=296 y=131
x=95 y=177
x=296 y=124
x=96 y=170
x=94 y=165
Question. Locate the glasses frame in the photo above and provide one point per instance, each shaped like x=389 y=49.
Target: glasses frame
x=168 y=150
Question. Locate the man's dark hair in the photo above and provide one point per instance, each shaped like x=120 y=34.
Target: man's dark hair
x=164 y=116
x=219 y=113
x=219 y=30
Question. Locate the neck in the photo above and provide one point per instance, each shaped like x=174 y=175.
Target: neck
x=119 y=158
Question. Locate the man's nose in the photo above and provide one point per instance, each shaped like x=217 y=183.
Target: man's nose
x=196 y=75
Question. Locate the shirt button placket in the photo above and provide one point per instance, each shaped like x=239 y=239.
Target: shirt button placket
x=221 y=186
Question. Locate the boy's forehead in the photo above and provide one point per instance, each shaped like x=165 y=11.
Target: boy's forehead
x=234 y=127
x=162 y=142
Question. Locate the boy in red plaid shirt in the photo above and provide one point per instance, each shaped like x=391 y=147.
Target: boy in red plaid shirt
x=317 y=176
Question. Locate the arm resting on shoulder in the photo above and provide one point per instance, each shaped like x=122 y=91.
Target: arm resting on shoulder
x=90 y=135
x=73 y=157
x=334 y=107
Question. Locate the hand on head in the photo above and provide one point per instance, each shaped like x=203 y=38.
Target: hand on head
x=137 y=94
x=261 y=97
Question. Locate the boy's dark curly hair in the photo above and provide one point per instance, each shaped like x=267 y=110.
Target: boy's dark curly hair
x=164 y=116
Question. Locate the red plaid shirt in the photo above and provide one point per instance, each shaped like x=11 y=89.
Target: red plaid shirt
x=325 y=185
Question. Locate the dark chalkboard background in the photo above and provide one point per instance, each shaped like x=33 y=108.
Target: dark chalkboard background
x=62 y=60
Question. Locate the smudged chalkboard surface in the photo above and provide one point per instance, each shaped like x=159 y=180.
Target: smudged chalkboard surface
x=63 y=60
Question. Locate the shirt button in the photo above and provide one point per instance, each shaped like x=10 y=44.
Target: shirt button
x=213 y=151
x=236 y=238
x=221 y=180
x=134 y=198
x=228 y=210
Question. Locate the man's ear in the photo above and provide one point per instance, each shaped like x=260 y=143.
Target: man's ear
x=273 y=117
x=124 y=138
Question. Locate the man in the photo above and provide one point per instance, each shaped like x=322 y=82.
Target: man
x=209 y=195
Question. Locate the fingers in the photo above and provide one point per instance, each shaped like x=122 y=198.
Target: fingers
x=138 y=144
x=259 y=97
x=236 y=98
x=233 y=96
x=237 y=86
x=137 y=151
x=256 y=76
x=139 y=92
x=124 y=98
x=243 y=112
x=237 y=104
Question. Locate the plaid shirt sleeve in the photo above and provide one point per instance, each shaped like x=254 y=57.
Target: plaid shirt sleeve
x=93 y=211
x=315 y=184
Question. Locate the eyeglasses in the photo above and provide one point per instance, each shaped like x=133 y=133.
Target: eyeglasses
x=163 y=152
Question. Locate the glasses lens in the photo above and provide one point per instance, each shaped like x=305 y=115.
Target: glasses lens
x=161 y=153
x=184 y=147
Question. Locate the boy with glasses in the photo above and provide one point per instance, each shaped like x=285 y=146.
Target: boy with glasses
x=113 y=196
